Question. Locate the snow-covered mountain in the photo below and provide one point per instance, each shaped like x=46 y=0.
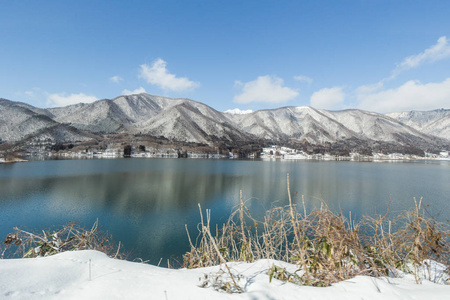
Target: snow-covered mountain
x=109 y=116
x=178 y=119
x=434 y=122
x=300 y=123
x=318 y=126
x=191 y=121
x=19 y=121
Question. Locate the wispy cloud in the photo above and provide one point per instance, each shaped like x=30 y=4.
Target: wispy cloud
x=435 y=53
x=302 y=78
x=157 y=74
x=31 y=93
x=440 y=50
x=116 y=79
x=328 y=98
x=238 y=84
x=369 y=88
x=412 y=95
x=136 y=91
x=267 y=89
x=62 y=99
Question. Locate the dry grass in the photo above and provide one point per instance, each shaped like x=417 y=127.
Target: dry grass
x=21 y=243
x=326 y=246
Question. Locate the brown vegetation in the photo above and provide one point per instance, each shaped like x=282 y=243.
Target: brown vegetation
x=326 y=246
x=21 y=243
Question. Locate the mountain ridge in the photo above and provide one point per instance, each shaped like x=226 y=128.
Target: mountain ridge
x=190 y=121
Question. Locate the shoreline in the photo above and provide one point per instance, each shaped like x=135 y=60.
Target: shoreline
x=14 y=160
x=263 y=158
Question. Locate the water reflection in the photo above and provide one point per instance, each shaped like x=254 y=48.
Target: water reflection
x=137 y=192
x=145 y=203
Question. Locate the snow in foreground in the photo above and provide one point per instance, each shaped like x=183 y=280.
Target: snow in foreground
x=66 y=276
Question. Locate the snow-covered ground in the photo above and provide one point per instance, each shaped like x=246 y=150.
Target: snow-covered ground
x=92 y=275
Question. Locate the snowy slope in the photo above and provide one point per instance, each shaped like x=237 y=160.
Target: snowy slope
x=66 y=276
x=101 y=116
x=291 y=122
x=379 y=127
x=18 y=122
x=191 y=121
x=319 y=126
x=177 y=119
x=439 y=128
x=434 y=122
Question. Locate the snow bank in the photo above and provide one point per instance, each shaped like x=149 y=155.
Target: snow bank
x=66 y=276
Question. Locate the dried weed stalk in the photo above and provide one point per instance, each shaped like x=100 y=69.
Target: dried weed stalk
x=21 y=243
x=326 y=246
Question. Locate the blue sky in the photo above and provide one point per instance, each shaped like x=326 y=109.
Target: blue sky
x=376 y=55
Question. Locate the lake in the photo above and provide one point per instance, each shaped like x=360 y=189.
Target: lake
x=145 y=203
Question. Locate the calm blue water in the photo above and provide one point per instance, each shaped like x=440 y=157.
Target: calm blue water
x=144 y=203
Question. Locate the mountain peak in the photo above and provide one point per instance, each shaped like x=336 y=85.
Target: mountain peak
x=186 y=120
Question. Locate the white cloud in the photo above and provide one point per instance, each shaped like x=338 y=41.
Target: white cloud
x=158 y=75
x=436 y=52
x=238 y=83
x=238 y=111
x=56 y=100
x=268 y=89
x=116 y=79
x=328 y=98
x=369 y=88
x=440 y=50
x=136 y=91
x=32 y=93
x=302 y=78
x=412 y=95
